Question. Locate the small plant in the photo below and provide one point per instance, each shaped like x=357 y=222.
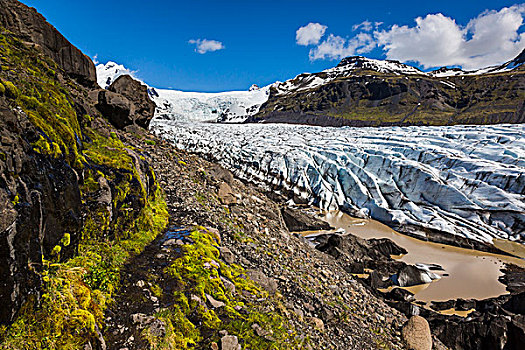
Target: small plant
x=150 y=142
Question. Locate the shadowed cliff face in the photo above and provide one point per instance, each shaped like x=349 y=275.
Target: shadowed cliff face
x=365 y=97
x=40 y=201
x=32 y=27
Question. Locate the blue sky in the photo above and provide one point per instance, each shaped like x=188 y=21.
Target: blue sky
x=259 y=37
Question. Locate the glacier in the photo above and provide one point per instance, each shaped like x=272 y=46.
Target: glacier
x=226 y=107
x=465 y=181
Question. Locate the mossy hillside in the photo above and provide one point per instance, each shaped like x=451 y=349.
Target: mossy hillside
x=77 y=291
x=31 y=82
x=191 y=324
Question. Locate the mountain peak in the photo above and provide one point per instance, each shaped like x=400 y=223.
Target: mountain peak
x=382 y=66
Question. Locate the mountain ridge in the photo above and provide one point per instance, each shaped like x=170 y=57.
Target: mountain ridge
x=336 y=96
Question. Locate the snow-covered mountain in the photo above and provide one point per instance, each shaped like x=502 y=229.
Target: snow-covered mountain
x=227 y=107
x=238 y=106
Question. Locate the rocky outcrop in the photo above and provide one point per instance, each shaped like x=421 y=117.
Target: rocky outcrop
x=126 y=102
x=412 y=275
x=65 y=178
x=32 y=27
x=115 y=107
x=297 y=221
x=142 y=107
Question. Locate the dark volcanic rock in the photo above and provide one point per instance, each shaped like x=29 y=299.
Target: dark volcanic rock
x=32 y=27
x=386 y=247
x=115 y=107
x=297 y=221
x=516 y=304
x=40 y=202
x=143 y=107
x=399 y=294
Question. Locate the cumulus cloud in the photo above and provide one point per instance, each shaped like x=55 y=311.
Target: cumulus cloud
x=310 y=34
x=335 y=47
x=435 y=40
x=205 y=45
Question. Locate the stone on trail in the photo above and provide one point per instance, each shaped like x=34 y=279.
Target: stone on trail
x=230 y=342
x=416 y=334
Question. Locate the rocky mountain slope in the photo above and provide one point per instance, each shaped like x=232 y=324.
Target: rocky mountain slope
x=75 y=200
x=365 y=92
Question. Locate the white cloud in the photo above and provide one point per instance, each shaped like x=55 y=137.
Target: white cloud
x=365 y=26
x=205 y=45
x=310 y=34
x=335 y=47
x=437 y=40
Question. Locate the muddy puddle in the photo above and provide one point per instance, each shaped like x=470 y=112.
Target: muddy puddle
x=467 y=274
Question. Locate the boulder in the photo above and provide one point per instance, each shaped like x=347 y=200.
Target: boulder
x=226 y=195
x=416 y=334
x=214 y=302
x=227 y=255
x=297 y=221
x=386 y=247
x=317 y=323
x=142 y=107
x=411 y=275
x=115 y=107
x=269 y=284
x=399 y=294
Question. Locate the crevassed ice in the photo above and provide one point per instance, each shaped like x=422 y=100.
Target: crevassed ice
x=463 y=180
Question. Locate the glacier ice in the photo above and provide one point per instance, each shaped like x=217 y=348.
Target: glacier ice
x=462 y=180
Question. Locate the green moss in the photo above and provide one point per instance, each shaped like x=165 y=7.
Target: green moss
x=191 y=324
x=11 y=91
x=56 y=250
x=66 y=240
x=45 y=100
x=150 y=142
x=74 y=300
